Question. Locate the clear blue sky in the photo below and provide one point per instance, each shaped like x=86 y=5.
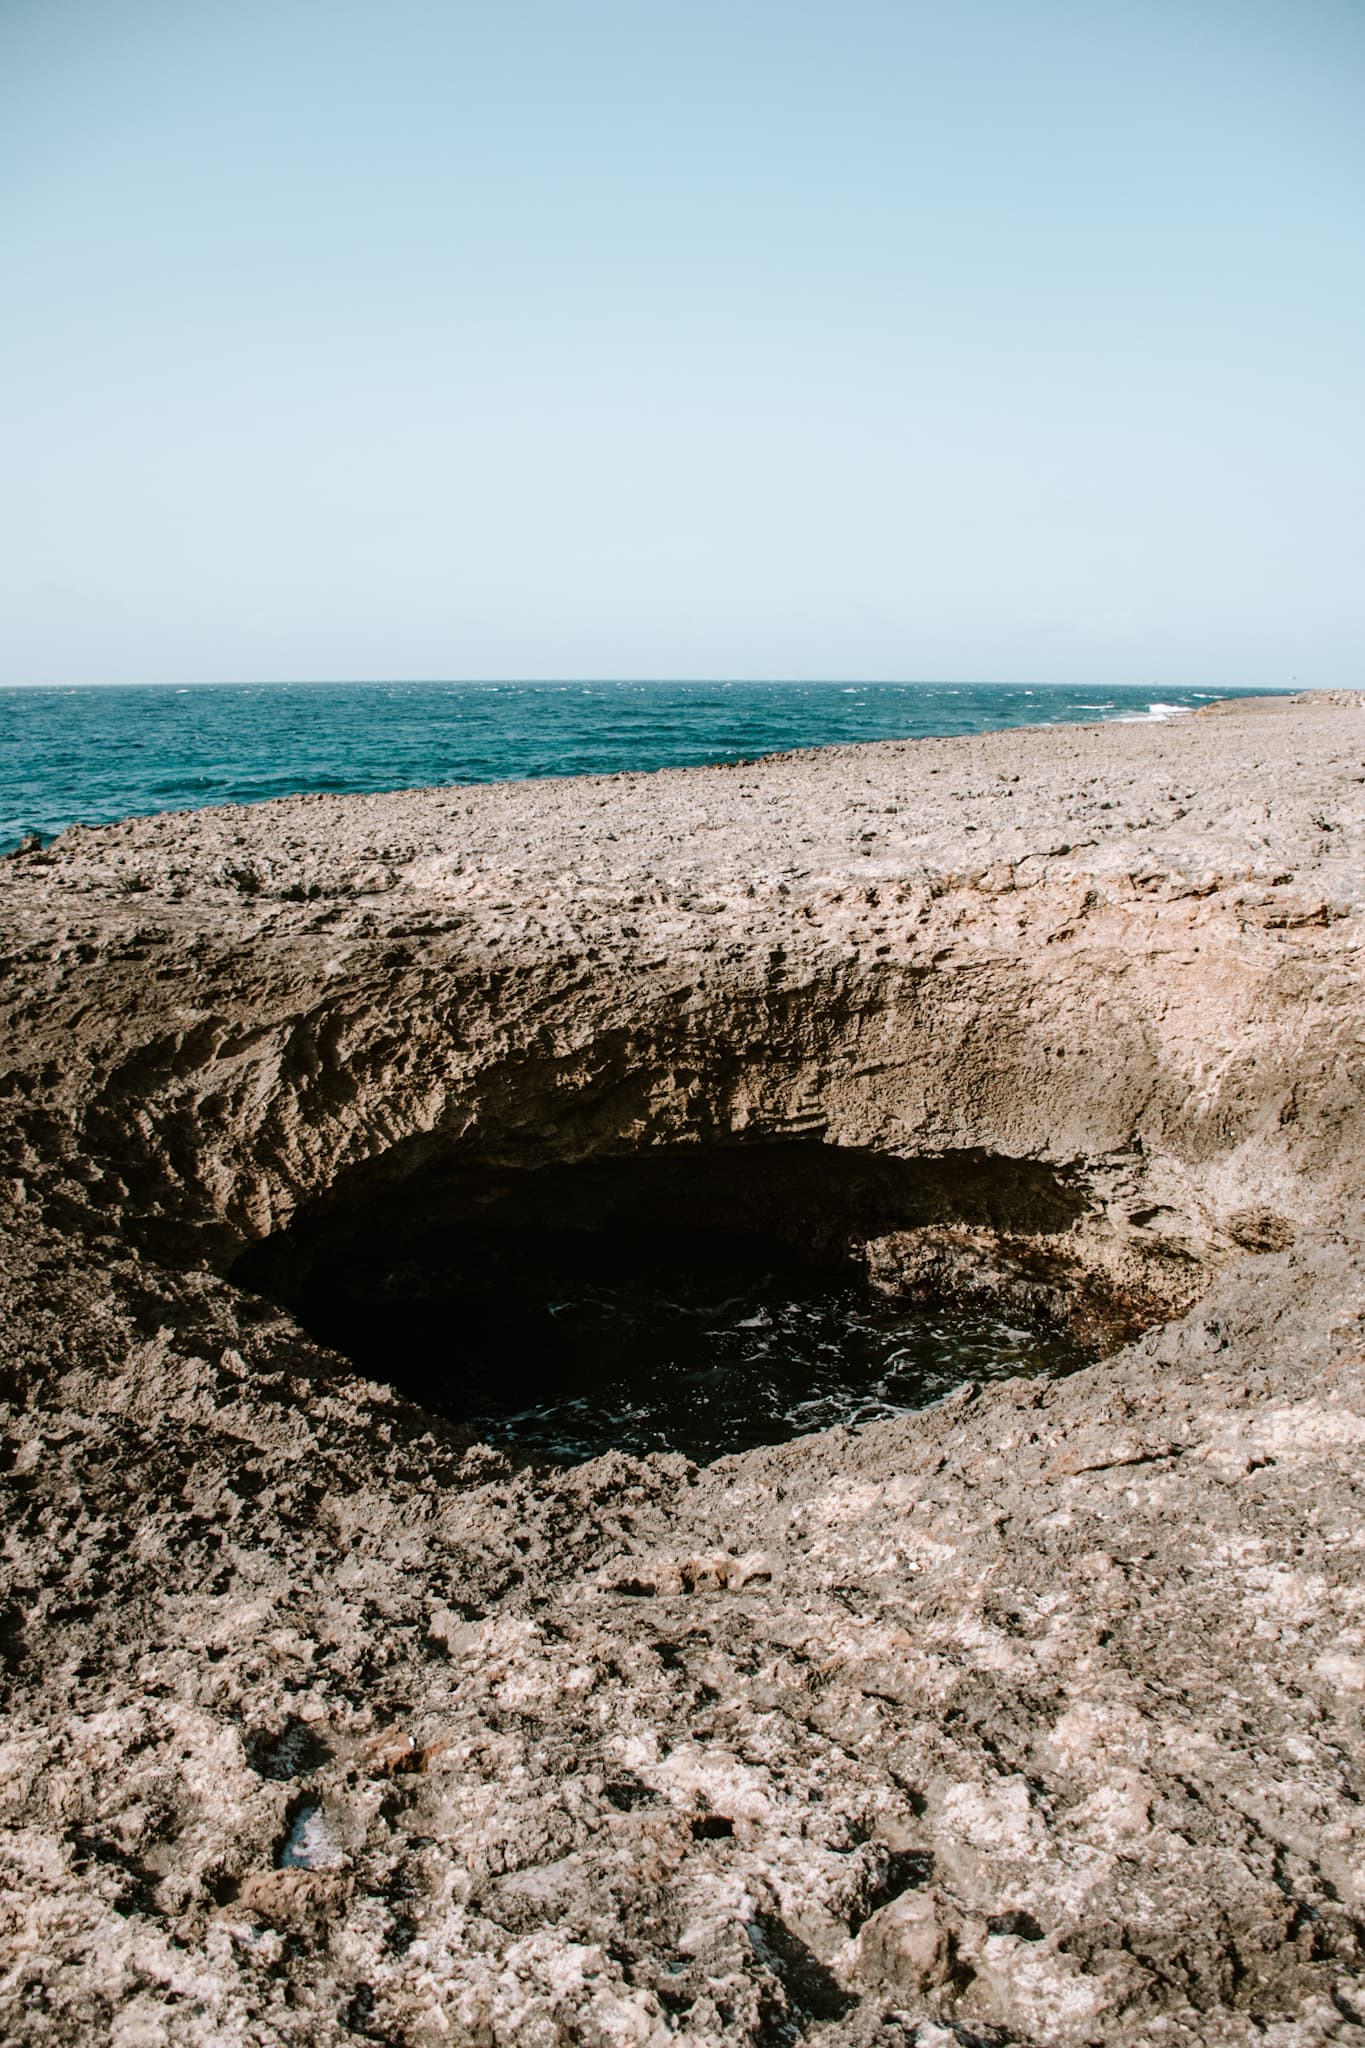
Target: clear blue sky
x=977 y=339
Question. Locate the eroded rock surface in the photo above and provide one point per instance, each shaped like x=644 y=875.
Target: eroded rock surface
x=1036 y=1718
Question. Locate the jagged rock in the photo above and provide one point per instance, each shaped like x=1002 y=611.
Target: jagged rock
x=1035 y=1718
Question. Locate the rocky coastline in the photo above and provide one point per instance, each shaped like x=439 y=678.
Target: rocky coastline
x=1037 y=1718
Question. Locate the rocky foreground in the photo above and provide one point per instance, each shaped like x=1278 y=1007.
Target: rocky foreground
x=1033 y=1719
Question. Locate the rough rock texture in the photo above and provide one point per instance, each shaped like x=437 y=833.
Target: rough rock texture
x=1033 y=1719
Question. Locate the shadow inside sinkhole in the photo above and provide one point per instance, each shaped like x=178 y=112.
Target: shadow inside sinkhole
x=694 y=1300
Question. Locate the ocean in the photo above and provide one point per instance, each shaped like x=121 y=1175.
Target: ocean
x=97 y=754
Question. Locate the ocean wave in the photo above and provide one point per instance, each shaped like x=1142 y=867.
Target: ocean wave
x=1153 y=715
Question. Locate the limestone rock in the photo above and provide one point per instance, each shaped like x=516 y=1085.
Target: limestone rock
x=1031 y=1719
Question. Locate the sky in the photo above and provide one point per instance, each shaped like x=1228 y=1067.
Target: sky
x=982 y=339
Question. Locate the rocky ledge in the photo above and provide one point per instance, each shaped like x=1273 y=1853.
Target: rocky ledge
x=1034 y=1718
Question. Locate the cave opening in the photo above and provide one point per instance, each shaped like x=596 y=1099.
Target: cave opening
x=702 y=1300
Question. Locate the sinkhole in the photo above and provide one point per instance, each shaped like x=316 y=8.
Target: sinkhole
x=697 y=1300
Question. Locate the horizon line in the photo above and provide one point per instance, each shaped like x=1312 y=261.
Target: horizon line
x=648 y=682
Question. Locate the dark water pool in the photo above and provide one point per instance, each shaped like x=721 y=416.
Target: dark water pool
x=566 y=1344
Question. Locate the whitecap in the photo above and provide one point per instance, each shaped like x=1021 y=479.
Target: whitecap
x=1155 y=714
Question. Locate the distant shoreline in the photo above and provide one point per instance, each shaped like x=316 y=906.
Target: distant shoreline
x=92 y=754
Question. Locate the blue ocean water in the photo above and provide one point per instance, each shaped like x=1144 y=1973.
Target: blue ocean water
x=94 y=755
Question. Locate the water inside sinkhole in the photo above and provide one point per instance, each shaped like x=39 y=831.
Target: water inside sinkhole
x=567 y=1343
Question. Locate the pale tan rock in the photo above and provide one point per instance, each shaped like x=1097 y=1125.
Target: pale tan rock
x=638 y=1752
x=904 y=1948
